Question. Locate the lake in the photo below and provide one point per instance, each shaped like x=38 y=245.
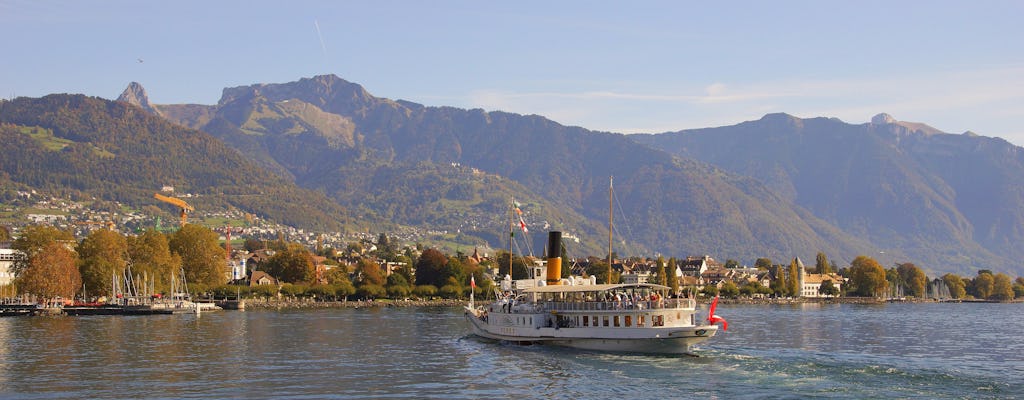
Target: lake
x=849 y=351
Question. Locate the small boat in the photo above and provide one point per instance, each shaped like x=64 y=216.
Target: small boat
x=579 y=313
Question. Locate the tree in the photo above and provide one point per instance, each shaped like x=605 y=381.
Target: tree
x=673 y=279
x=5 y=233
x=294 y=264
x=202 y=258
x=429 y=268
x=730 y=263
x=519 y=269
x=821 y=265
x=386 y=247
x=827 y=288
x=150 y=254
x=368 y=273
x=1002 y=288
x=451 y=289
x=729 y=289
x=778 y=283
x=867 y=277
x=660 y=275
x=50 y=272
x=454 y=271
x=793 y=280
x=253 y=244
x=33 y=239
x=913 y=279
x=955 y=286
x=600 y=270
x=398 y=287
x=984 y=284
x=763 y=264
x=102 y=257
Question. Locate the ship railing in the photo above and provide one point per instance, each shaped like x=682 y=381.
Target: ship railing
x=661 y=304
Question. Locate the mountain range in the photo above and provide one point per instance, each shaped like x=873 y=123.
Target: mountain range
x=954 y=202
x=778 y=187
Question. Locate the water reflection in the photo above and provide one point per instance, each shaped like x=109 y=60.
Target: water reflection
x=852 y=351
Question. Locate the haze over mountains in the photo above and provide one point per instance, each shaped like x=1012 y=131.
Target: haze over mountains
x=778 y=187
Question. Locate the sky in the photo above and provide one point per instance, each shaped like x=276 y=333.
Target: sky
x=627 y=67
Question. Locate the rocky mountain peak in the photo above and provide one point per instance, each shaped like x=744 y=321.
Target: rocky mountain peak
x=883 y=119
x=135 y=95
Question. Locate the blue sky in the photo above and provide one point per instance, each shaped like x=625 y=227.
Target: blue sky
x=611 y=66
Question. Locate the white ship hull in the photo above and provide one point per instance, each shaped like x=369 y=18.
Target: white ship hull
x=676 y=340
x=617 y=318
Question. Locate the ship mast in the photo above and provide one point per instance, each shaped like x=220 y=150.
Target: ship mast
x=511 y=233
x=610 y=179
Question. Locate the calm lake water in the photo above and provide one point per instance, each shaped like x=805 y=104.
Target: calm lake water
x=850 y=351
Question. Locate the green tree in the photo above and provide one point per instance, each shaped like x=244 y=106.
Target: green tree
x=202 y=258
x=253 y=244
x=454 y=270
x=778 y=283
x=821 y=265
x=729 y=289
x=294 y=264
x=955 y=285
x=35 y=238
x=398 y=287
x=984 y=284
x=425 y=291
x=660 y=275
x=827 y=288
x=763 y=264
x=50 y=272
x=867 y=277
x=730 y=263
x=673 y=279
x=793 y=278
x=451 y=289
x=101 y=257
x=5 y=233
x=1002 y=288
x=519 y=269
x=150 y=255
x=1018 y=287
x=371 y=291
x=913 y=279
x=343 y=289
x=599 y=269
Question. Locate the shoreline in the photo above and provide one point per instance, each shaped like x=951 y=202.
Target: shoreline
x=286 y=303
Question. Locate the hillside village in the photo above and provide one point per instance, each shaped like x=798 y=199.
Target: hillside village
x=242 y=265
x=246 y=238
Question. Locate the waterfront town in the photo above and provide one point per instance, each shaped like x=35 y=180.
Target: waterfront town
x=257 y=259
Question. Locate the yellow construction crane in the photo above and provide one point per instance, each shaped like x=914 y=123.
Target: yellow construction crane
x=182 y=205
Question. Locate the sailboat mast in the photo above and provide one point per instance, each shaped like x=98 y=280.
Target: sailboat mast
x=511 y=233
x=610 y=180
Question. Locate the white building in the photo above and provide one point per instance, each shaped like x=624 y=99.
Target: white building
x=7 y=259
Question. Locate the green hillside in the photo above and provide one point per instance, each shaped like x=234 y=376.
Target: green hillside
x=114 y=151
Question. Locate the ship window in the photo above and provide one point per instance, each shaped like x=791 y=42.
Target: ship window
x=605 y=320
x=586 y=320
x=629 y=321
x=616 y=321
x=640 y=320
